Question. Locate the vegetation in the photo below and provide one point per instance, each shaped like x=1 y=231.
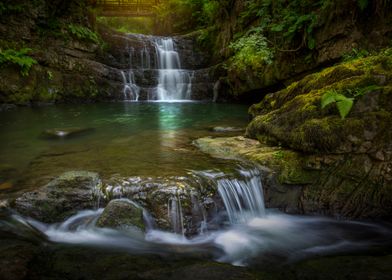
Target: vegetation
x=251 y=51
x=18 y=57
x=343 y=103
x=84 y=33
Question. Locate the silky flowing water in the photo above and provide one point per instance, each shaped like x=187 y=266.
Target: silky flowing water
x=155 y=139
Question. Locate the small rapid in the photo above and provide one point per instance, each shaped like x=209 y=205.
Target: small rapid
x=249 y=233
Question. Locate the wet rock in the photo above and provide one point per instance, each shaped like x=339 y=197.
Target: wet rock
x=62 y=197
x=227 y=129
x=7 y=107
x=328 y=184
x=122 y=214
x=175 y=203
x=60 y=133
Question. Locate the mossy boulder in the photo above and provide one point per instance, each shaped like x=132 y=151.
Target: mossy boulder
x=122 y=214
x=61 y=198
x=293 y=117
x=353 y=155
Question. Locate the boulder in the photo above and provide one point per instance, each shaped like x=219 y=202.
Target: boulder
x=121 y=214
x=62 y=197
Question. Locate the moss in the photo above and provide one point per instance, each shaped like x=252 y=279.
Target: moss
x=294 y=118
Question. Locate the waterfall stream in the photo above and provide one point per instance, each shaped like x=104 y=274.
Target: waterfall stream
x=158 y=57
x=253 y=231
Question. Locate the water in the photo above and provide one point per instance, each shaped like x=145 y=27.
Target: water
x=174 y=83
x=131 y=89
x=157 y=56
x=127 y=139
x=262 y=236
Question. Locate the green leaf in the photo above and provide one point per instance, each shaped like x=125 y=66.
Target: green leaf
x=328 y=98
x=311 y=43
x=344 y=106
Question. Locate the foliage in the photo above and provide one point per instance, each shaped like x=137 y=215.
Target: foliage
x=11 y=8
x=343 y=103
x=187 y=15
x=20 y=58
x=286 y=21
x=251 y=51
x=355 y=54
x=84 y=33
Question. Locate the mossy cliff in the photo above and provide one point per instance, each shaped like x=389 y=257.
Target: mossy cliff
x=51 y=52
x=323 y=163
x=261 y=46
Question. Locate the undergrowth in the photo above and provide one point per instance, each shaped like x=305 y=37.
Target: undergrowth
x=18 y=57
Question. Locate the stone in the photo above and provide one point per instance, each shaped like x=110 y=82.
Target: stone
x=122 y=214
x=62 y=197
x=60 y=133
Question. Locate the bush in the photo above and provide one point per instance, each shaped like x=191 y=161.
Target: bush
x=20 y=58
x=251 y=51
x=84 y=33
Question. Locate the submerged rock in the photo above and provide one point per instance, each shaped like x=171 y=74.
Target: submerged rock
x=62 y=197
x=122 y=214
x=60 y=133
x=227 y=129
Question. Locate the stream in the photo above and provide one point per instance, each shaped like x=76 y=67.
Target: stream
x=143 y=140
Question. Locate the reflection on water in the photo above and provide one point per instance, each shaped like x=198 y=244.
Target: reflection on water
x=127 y=138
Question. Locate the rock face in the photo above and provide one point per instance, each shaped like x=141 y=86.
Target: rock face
x=336 y=32
x=121 y=214
x=61 y=198
x=347 y=161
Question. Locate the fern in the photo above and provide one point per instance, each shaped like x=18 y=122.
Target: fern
x=20 y=58
x=343 y=103
x=84 y=33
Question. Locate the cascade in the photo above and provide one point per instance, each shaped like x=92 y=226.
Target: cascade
x=243 y=198
x=165 y=80
x=175 y=215
x=131 y=90
x=242 y=195
x=173 y=83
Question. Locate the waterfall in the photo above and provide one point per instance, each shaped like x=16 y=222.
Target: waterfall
x=243 y=198
x=131 y=89
x=173 y=83
x=174 y=209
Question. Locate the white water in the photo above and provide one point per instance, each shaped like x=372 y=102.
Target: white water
x=243 y=198
x=254 y=232
x=131 y=90
x=158 y=55
x=174 y=83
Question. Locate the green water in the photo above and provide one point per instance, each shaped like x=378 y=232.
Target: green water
x=128 y=139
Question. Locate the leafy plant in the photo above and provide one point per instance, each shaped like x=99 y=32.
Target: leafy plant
x=84 y=33
x=355 y=54
x=20 y=58
x=50 y=74
x=343 y=103
x=357 y=92
x=251 y=51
